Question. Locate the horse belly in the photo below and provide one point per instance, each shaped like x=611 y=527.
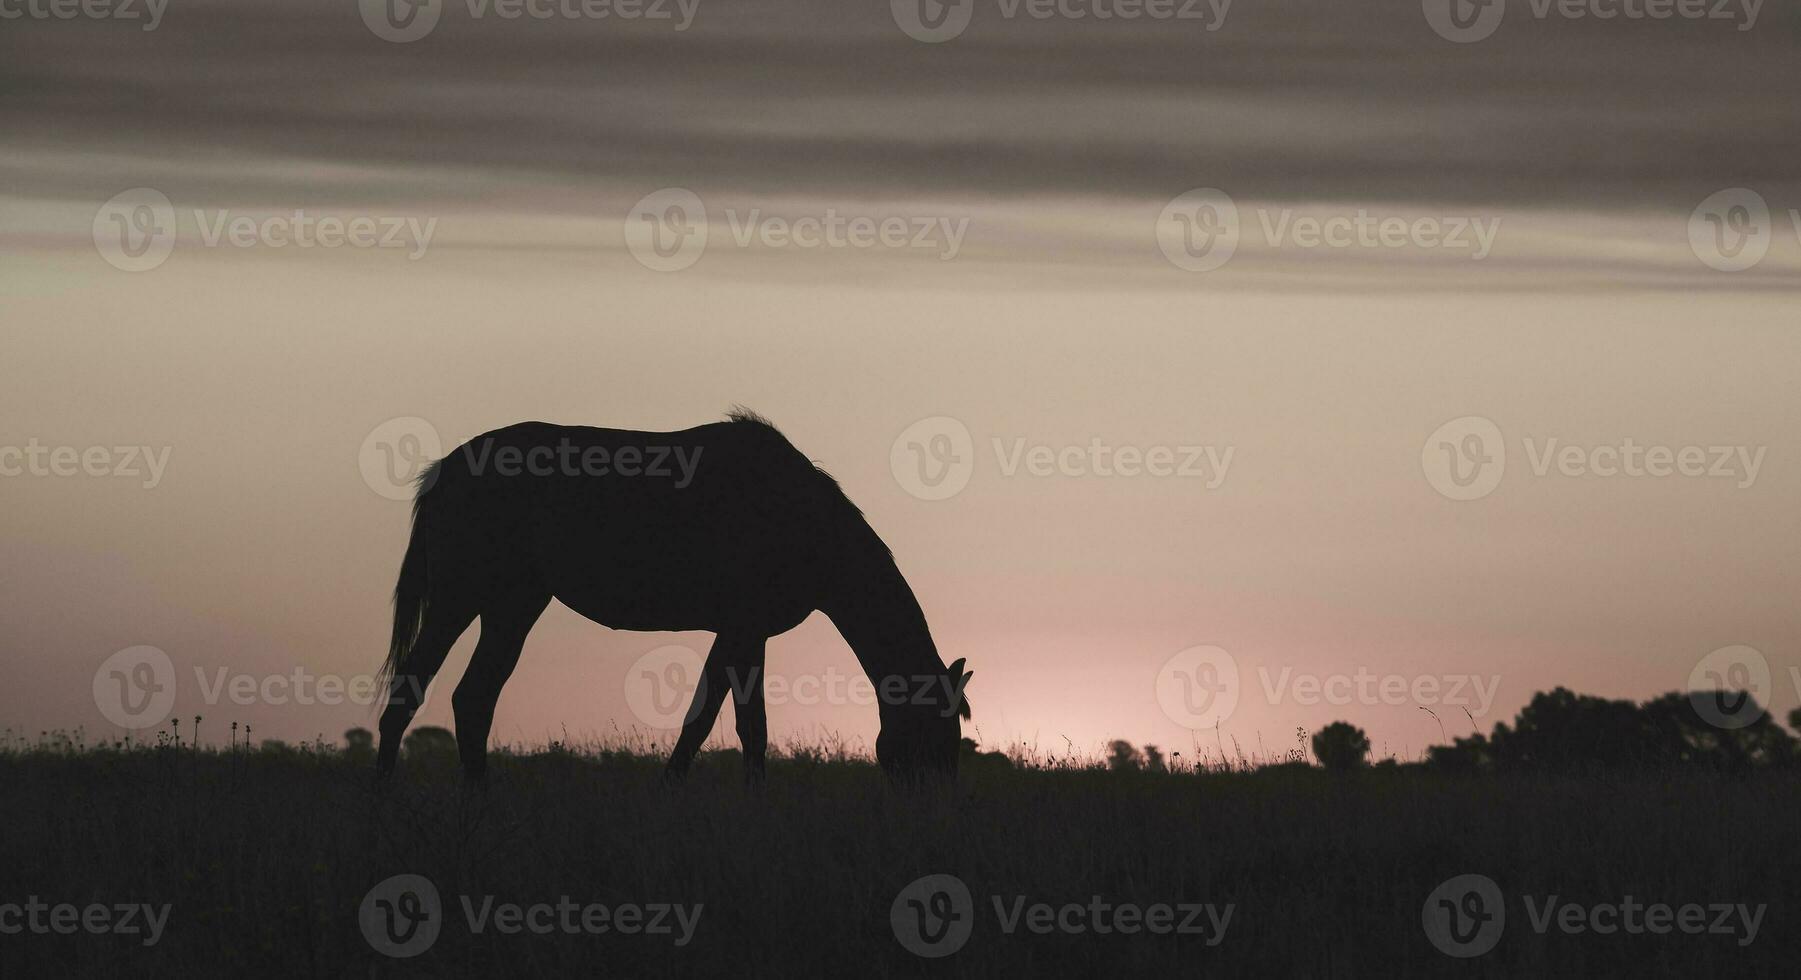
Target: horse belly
x=673 y=583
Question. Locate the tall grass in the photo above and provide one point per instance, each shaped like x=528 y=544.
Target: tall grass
x=265 y=855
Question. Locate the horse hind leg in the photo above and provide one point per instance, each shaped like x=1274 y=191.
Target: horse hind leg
x=504 y=627
x=446 y=617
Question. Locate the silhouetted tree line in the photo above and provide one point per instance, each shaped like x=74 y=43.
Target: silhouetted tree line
x=1558 y=731
x=427 y=743
x=1561 y=731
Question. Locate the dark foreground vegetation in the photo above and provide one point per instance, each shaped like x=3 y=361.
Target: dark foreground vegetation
x=265 y=856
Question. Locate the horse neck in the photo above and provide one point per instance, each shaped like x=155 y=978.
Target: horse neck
x=875 y=609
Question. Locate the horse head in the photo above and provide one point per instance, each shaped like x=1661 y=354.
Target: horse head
x=921 y=726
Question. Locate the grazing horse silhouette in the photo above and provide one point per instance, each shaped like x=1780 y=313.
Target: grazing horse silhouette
x=724 y=527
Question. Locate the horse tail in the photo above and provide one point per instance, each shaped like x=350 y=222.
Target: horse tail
x=411 y=589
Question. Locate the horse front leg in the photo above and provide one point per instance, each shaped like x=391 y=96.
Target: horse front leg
x=734 y=665
x=753 y=720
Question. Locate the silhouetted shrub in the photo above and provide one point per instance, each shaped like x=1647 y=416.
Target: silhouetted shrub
x=972 y=759
x=1123 y=757
x=1341 y=745
x=359 y=746
x=1153 y=759
x=1471 y=754
x=430 y=744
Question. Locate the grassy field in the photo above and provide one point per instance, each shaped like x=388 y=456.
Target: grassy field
x=265 y=858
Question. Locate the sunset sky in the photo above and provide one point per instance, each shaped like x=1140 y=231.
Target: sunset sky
x=1036 y=165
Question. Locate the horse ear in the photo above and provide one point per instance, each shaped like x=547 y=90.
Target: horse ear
x=956 y=668
x=963 y=708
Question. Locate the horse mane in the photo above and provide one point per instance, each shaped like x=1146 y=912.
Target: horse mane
x=427 y=479
x=739 y=413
